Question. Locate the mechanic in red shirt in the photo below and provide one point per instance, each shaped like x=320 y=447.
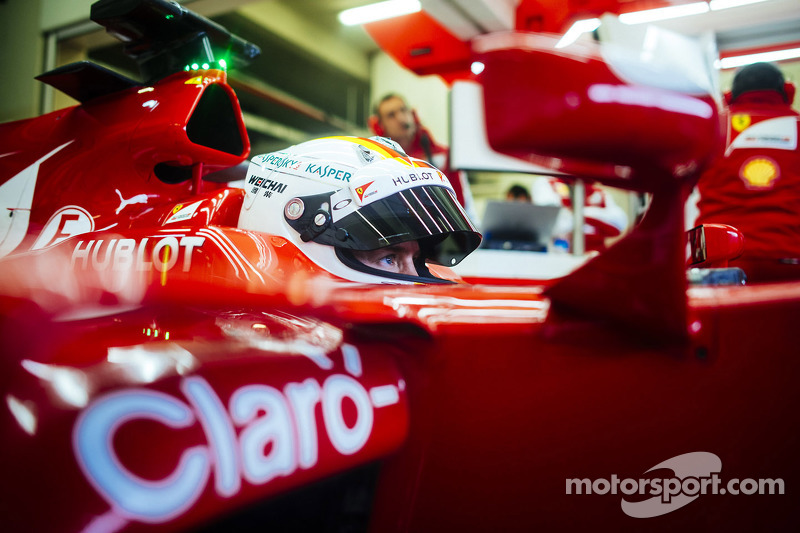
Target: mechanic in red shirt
x=394 y=119
x=754 y=185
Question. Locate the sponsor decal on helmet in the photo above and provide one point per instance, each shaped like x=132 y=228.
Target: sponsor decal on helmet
x=278 y=162
x=343 y=204
x=413 y=177
x=363 y=189
x=269 y=186
x=329 y=171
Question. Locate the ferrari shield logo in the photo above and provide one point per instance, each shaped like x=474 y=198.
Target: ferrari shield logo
x=740 y=122
x=361 y=190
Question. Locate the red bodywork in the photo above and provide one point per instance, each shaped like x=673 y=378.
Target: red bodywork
x=165 y=370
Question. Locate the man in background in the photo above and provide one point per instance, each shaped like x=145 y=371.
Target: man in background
x=754 y=185
x=518 y=193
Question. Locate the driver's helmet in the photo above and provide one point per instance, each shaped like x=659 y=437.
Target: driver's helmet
x=333 y=195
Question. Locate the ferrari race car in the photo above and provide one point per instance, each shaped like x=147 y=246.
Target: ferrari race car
x=182 y=352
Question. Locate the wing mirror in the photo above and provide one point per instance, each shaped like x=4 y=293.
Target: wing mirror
x=713 y=245
x=585 y=112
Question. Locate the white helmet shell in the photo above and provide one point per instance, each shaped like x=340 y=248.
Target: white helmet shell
x=332 y=195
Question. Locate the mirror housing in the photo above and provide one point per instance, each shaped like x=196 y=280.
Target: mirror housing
x=595 y=111
x=713 y=245
x=599 y=113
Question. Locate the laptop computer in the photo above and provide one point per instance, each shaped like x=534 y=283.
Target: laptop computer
x=518 y=225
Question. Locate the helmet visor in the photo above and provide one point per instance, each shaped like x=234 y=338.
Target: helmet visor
x=428 y=214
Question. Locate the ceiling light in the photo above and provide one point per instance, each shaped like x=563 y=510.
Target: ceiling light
x=24 y=413
x=775 y=55
x=379 y=11
x=576 y=30
x=717 y=5
x=477 y=67
x=664 y=13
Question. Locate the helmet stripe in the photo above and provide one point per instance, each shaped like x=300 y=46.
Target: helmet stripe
x=385 y=151
x=382 y=149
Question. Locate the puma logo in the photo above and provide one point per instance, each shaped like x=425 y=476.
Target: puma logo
x=138 y=199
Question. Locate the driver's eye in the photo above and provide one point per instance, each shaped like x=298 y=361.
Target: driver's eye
x=388 y=259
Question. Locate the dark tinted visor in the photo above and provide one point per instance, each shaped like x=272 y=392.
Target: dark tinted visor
x=428 y=214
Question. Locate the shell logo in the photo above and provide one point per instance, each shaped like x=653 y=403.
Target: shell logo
x=759 y=173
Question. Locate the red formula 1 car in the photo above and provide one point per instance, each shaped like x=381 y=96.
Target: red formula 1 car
x=181 y=354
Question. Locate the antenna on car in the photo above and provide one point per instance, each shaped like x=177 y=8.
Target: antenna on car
x=163 y=37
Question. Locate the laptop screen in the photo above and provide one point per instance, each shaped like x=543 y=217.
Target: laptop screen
x=519 y=221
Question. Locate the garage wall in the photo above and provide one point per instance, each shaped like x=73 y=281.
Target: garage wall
x=20 y=58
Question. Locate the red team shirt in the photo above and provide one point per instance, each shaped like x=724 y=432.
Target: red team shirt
x=755 y=185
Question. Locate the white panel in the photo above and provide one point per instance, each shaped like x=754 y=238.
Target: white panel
x=735 y=17
x=655 y=56
x=451 y=18
x=469 y=144
x=514 y=264
x=492 y=15
x=17 y=199
x=467 y=18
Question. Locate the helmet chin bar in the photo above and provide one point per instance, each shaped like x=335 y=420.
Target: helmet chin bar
x=425 y=276
x=319 y=223
x=310 y=216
